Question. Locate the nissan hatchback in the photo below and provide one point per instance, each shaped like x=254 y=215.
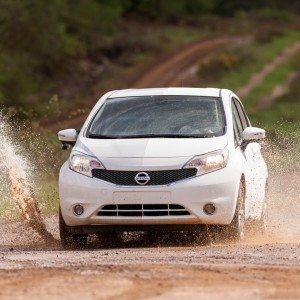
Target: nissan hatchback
x=177 y=159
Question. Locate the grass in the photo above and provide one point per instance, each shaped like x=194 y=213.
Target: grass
x=8 y=209
x=177 y=34
x=277 y=77
x=283 y=117
x=46 y=194
x=263 y=54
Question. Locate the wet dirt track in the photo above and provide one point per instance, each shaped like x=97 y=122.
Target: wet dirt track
x=251 y=271
x=261 y=268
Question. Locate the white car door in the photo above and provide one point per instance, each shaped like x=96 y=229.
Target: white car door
x=260 y=174
x=255 y=174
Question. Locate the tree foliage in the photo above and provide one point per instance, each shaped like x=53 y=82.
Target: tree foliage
x=40 y=38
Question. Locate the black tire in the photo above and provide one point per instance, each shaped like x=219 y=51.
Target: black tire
x=259 y=227
x=235 y=231
x=70 y=240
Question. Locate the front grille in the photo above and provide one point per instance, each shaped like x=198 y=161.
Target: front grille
x=142 y=210
x=156 y=177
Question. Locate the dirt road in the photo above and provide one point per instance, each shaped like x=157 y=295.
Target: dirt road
x=219 y=272
x=261 y=268
x=172 y=72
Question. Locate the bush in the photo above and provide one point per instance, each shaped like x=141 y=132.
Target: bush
x=267 y=34
x=273 y=15
x=40 y=39
x=220 y=63
x=294 y=93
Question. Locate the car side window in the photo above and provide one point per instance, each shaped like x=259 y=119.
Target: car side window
x=242 y=114
x=237 y=124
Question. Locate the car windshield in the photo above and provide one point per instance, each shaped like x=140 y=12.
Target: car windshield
x=159 y=116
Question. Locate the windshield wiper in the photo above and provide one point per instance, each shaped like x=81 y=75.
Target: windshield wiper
x=154 y=135
x=100 y=136
x=166 y=135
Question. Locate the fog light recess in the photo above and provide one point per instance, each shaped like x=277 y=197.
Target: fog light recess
x=209 y=208
x=78 y=210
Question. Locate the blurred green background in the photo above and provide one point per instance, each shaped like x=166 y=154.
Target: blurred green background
x=58 y=57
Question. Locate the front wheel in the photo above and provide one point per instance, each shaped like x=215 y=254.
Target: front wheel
x=70 y=240
x=235 y=231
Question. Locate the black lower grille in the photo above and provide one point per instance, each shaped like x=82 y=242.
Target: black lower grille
x=155 y=177
x=143 y=210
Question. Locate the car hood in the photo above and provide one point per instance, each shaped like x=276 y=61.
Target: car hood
x=149 y=153
x=149 y=147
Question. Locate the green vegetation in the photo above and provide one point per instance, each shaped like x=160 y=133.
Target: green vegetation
x=277 y=77
x=175 y=34
x=46 y=195
x=283 y=116
x=8 y=209
x=233 y=67
x=262 y=54
x=224 y=63
x=66 y=48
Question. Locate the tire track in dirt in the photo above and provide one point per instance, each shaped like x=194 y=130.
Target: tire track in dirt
x=156 y=281
x=258 y=78
x=168 y=73
x=278 y=91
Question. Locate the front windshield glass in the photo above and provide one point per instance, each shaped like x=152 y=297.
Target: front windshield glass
x=159 y=116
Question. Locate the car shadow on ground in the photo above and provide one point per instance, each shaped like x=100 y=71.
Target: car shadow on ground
x=143 y=239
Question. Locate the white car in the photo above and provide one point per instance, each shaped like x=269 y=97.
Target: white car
x=162 y=159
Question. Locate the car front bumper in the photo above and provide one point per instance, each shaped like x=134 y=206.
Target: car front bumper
x=219 y=187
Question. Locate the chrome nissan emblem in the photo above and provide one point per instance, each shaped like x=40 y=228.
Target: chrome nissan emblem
x=142 y=178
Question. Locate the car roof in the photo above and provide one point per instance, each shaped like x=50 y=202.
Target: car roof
x=210 y=92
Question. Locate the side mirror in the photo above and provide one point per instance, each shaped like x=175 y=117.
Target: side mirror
x=67 y=137
x=253 y=134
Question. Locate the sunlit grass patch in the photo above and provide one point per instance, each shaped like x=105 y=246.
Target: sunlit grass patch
x=45 y=192
x=177 y=34
x=263 y=54
x=47 y=195
x=277 y=77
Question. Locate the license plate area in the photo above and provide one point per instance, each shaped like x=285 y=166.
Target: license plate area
x=141 y=197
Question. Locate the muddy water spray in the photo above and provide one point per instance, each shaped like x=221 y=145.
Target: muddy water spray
x=18 y=170
x=283 y=203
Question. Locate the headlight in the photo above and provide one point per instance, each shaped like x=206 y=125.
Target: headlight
x=209 y=162
x=84 y=164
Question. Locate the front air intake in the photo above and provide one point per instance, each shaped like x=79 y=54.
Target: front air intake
x=143 y=210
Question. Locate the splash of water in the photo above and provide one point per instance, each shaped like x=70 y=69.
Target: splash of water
x=17 y=170
x=283 y=196
x=283 y=201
